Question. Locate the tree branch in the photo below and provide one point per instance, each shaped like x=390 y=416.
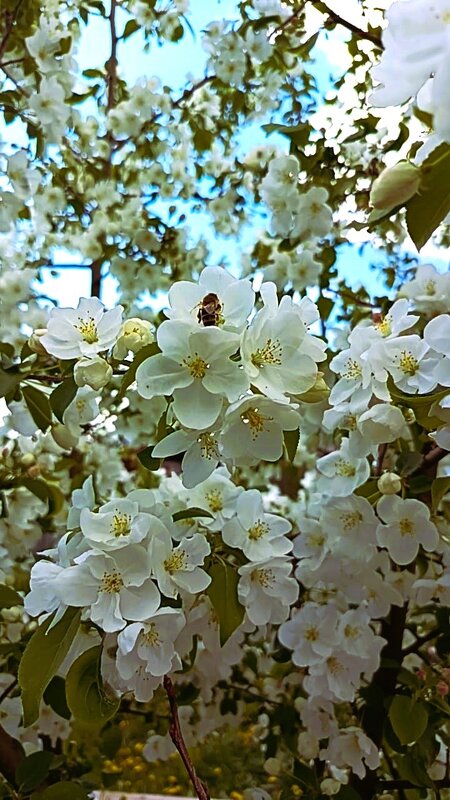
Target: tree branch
x=111 y=74
x=177 y=738
x=336 y=18
x=379 y=465
x=429 y=459
x=10 y=17
x=11 y=754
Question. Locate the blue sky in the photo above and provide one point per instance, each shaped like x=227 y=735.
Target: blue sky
x=171 y=63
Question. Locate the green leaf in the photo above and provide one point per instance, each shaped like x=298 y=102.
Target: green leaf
x=291 y=440
x=408 y=719
x=33 y=770
x=39 y=407
x=131 y=27
x=64 y=790
x=9 y=597
x=411 y=768
x=62 y=396
x=222 y=591
x=147 y=460
x=325 y=306
x=42 y=658
x=86 y=696
x=9 y=380
x=64 y=45
x=299 y=134
x=191 y=513
x=55 y=697
x=7 y=349
x=439 y=489
x=429 y=207
x=145 y=352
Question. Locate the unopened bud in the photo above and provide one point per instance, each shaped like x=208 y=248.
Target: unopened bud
x=317 y=393
x=330 y=786
x=63 y=437
x=395 y=186
x=389 y=483
x=34 y=342
x=94 y=372
x=442 y=688
x=27 y=460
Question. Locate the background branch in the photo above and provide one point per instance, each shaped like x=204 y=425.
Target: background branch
x=177 y=738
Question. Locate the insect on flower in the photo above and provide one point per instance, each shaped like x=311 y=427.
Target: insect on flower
x=210 y=311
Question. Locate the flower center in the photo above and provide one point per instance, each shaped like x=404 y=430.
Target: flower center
x=384 y=326
x=349 y=422
x=256 y=421
x=345 y=469
x=121 y=524
x=311 y=634
x=208 y=446
x=430 y=286
x=88 y=329
x=352 y=369
x=151 y=636
x=264 y=577
x=258 y=530
x=334 y=666
x=406 y=526
x=351 y=632
x=407 y=363
x=176 y=561
x=269 y=354
x=214 y=500
x=196 y=366
x=111 y=582
x=446 y=17
x=350 y=519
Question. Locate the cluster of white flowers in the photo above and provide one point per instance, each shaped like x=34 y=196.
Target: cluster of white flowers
x=126 y=561
x=295 y=215
x=210 y=359
x=415 y=60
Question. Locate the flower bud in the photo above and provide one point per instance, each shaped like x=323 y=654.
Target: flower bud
x=272 y=766
x=63 y=437
x=395 y=186
x=94 y=372
x=330 y=786
x=27 y=460
x=317 y=393
x=442 y=688
x=382 y=423
x=34 y=342
x=134 y=334
x=389 y=483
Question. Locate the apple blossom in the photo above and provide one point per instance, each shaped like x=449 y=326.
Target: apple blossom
x=407 y=525
x=259 y=535
x=85 y=331
x=195 y=367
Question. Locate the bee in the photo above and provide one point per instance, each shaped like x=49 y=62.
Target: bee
x=210 y=311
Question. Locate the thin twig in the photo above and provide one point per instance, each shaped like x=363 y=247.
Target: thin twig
x=379 y=465
x=421 y=640
x=177 y=738
x=111 y=75
x=10 y=17
x=8 y=689
x=335 y=17
x=432 y=457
